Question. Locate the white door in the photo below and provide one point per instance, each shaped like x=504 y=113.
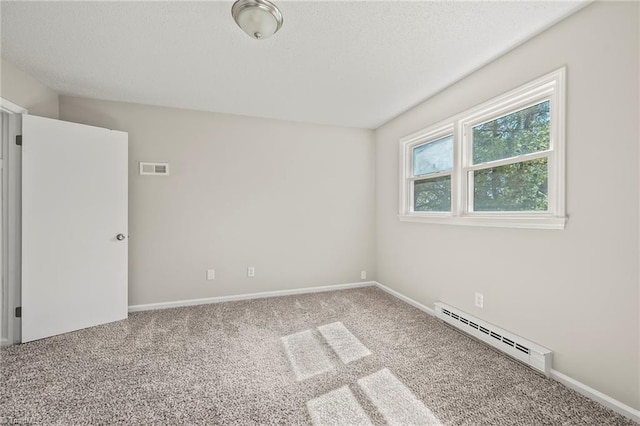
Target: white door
x=74 y=226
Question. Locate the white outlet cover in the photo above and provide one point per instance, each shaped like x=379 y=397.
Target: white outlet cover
x=479 y=300
x=363 y=275
x=251 y=272
x=211 y=274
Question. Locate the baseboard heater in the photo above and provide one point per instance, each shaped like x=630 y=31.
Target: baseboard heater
x=536 y=356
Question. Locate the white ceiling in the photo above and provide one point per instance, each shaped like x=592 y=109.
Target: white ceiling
x=354 y=63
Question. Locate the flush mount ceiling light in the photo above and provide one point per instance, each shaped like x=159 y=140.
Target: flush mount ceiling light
x=260 y=19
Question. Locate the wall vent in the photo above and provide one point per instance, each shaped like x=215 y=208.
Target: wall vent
x=536 y=356
x=154 y=168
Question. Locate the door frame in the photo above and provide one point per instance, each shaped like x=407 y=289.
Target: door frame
x=10 y=231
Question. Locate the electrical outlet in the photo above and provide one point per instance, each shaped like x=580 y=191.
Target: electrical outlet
x=211 y=274
x=479 y=300
x=251 y=272
x=363 y=275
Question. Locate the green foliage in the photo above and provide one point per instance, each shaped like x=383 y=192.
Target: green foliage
x=512 y=187
x=432 y=195
x=519 y=186
x=519 y=133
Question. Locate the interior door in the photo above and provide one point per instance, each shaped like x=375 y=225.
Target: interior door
x=74 y=226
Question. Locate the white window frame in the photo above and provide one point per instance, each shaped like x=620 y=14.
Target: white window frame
x=433 y=134
x=550 y=87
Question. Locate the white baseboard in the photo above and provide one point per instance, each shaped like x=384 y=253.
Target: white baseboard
x=4 y=342
x=405 y=299
x=597 y=396
x=579 y=387
x=220 y=299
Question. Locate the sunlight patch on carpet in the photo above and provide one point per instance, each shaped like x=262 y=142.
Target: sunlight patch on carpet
x=397 y=404
x=338 y=407
x=343 y=342
x=305 y=354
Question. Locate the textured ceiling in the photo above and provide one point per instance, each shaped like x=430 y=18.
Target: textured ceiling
x=351 y=63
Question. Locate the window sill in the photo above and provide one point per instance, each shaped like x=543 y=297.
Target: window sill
x=511 y=221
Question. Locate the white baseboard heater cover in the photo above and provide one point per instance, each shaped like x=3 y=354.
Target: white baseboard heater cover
x=536 y=356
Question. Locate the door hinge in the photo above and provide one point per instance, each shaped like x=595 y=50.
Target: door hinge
x=19 y=312
x=19 y=140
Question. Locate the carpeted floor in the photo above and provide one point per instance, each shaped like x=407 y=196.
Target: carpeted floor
x=343 y=357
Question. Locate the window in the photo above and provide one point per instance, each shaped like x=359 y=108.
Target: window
x=498 y=164
x=432 y=166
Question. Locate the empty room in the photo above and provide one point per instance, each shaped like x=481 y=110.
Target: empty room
x=320 y=213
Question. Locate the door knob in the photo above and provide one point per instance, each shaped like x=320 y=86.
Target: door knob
x=120 y=237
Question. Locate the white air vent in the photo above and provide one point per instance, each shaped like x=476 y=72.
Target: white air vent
x=536 y=356
x=154 y=168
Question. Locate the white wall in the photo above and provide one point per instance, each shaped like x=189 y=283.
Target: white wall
x=24 y=90
x=293 y=200
x=574 y=291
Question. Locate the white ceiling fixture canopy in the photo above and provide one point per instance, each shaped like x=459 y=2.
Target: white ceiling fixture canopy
x=260 y=19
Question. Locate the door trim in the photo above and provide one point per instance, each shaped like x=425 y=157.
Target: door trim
x=11 y=222
x=9 y=107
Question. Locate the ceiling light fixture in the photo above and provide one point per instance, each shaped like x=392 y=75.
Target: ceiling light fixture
x=260 y=19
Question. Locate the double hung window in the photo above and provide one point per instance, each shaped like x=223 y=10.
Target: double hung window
x=498 y=164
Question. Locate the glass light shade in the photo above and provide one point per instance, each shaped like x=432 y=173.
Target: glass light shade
x=257 y=23
x=260 y=19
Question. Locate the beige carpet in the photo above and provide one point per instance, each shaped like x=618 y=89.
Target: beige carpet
x=356 y=357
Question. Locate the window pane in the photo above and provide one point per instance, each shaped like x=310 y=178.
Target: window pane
x=432 y=195
x=433 y=157
x=513 y=187
x=522 y=132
